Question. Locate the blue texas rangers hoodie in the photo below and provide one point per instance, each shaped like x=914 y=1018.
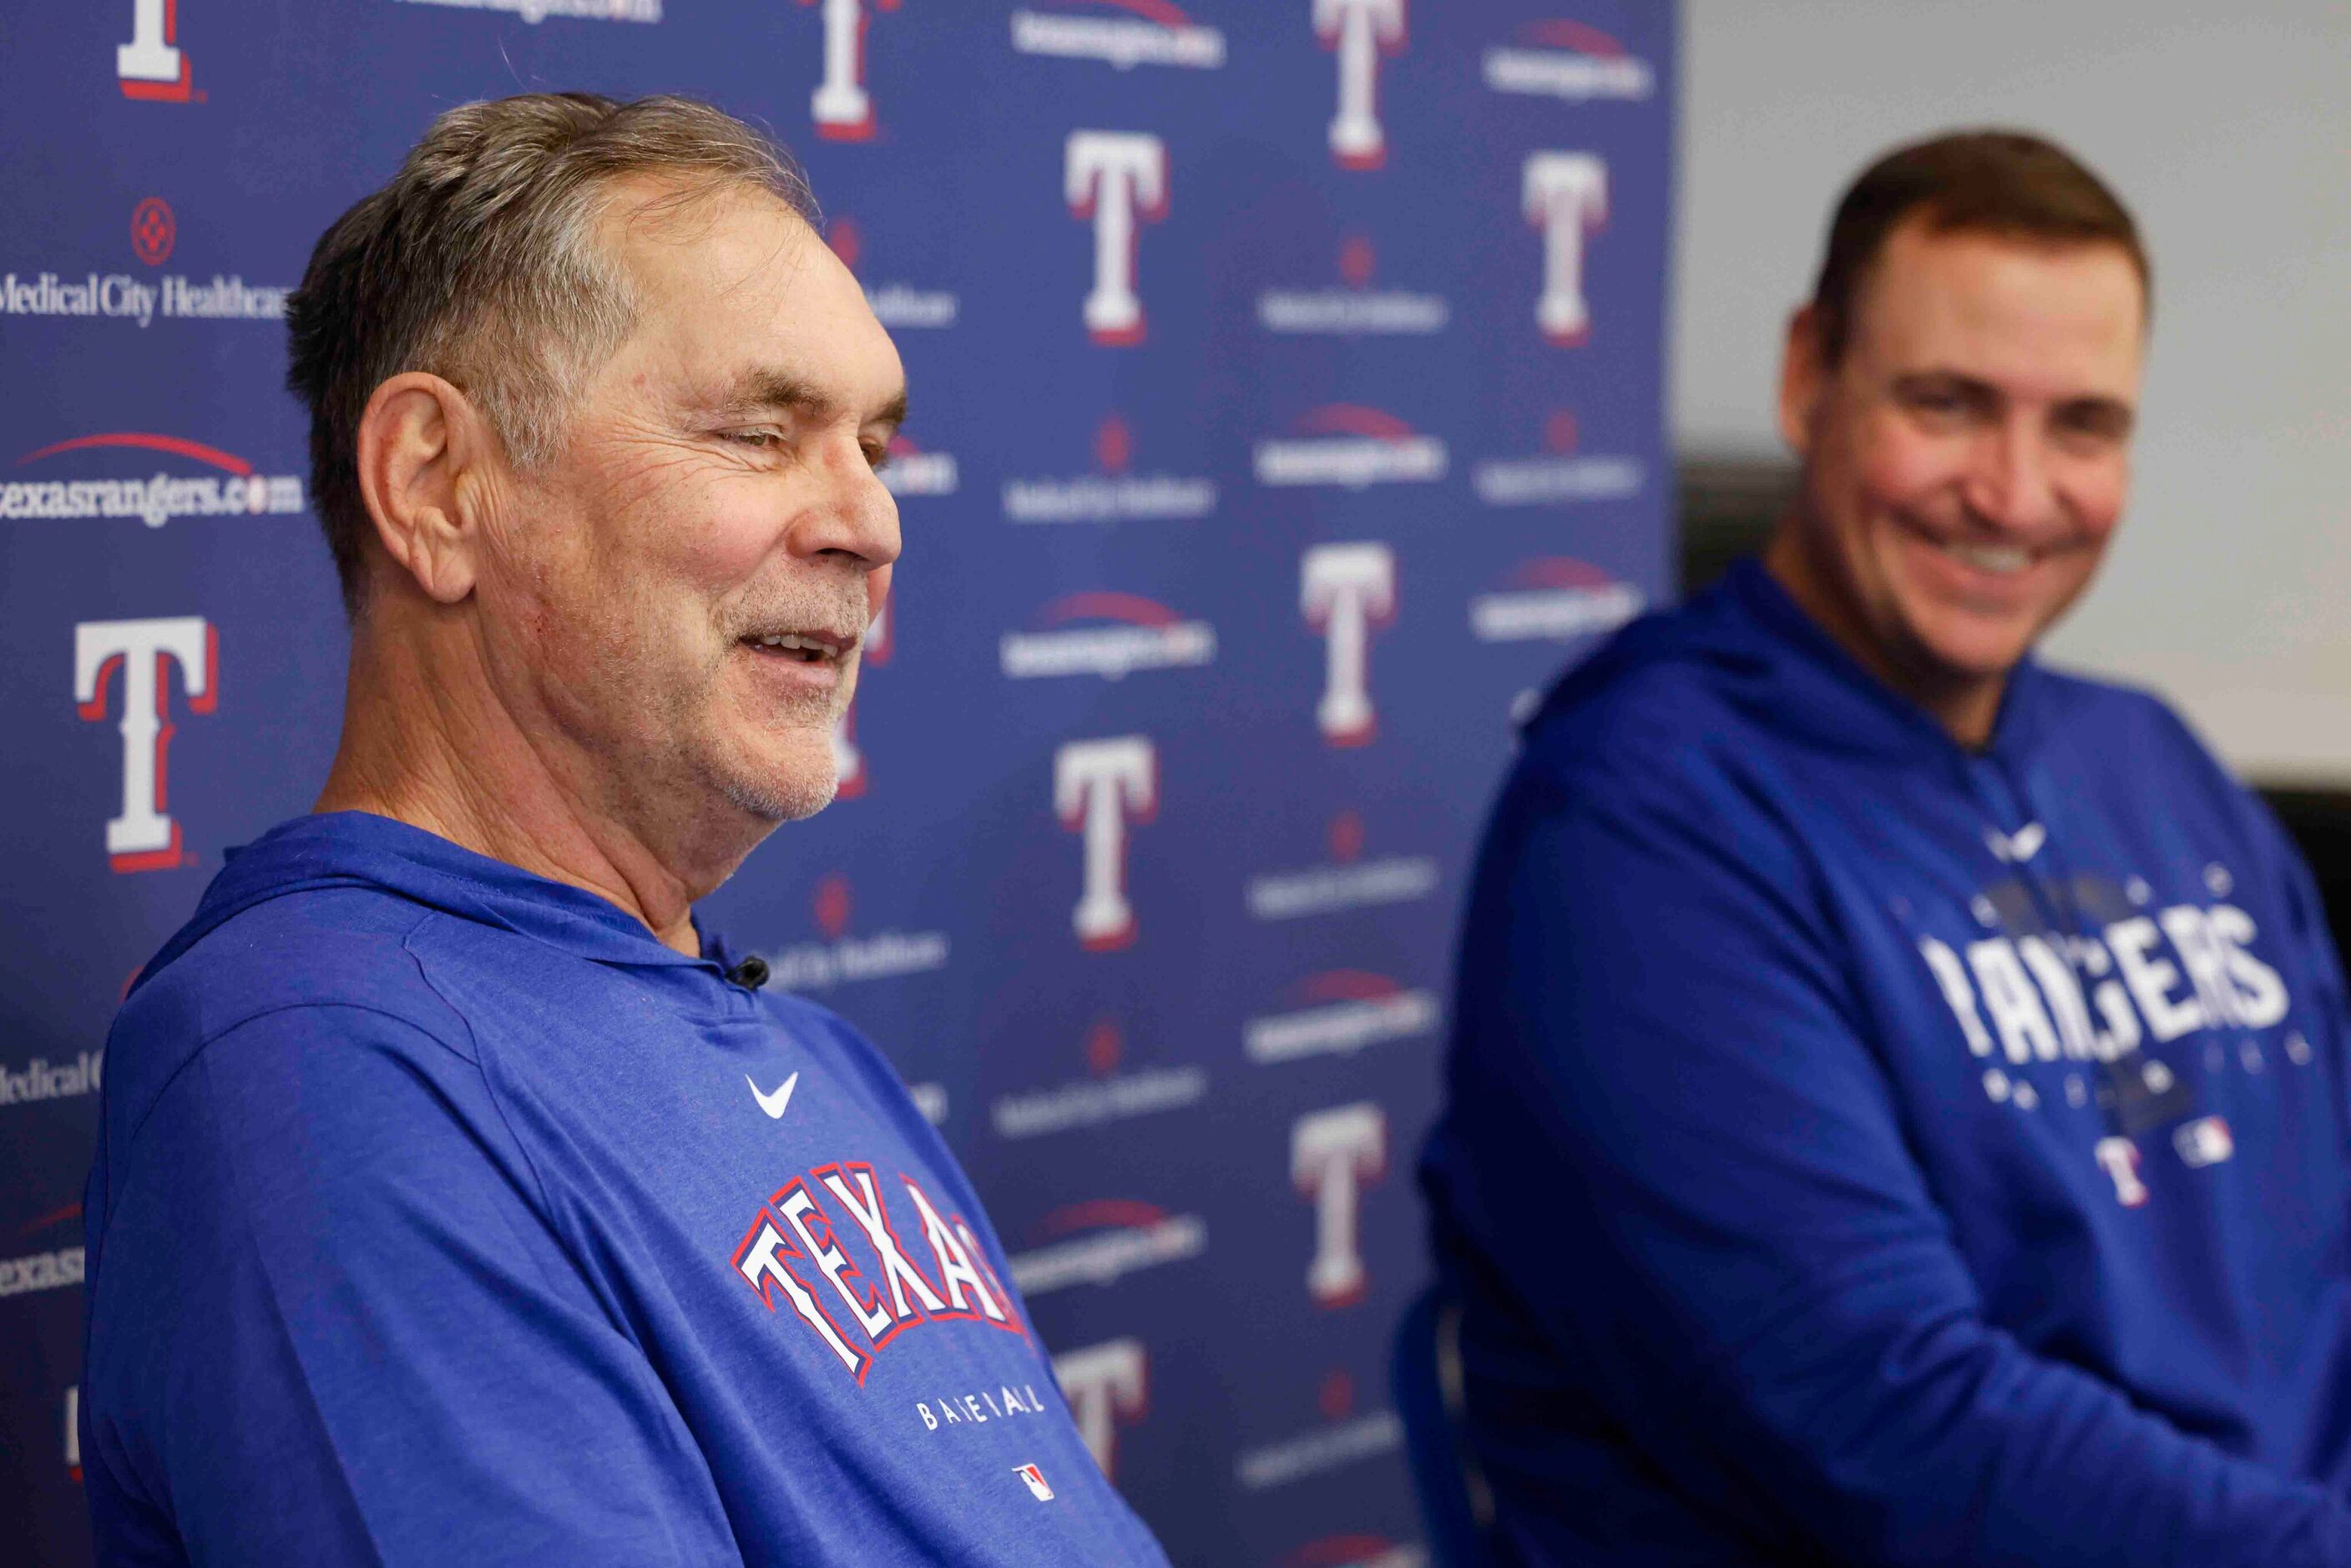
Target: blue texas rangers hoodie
x=1864 y=1150
x=442 y=1216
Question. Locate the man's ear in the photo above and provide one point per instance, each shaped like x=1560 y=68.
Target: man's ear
x=421 y=445
x=1803 y=378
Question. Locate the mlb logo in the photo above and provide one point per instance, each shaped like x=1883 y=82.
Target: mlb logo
x=2204 y=1142
x=1035 y=1478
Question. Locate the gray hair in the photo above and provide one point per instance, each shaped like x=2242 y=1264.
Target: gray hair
x=479 y=262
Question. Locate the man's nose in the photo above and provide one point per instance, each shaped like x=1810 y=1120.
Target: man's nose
x=2011 y=484
x=857 y=515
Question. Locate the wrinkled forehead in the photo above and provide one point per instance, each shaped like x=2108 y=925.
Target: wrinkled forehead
x=728 y=279
x=2057 y=317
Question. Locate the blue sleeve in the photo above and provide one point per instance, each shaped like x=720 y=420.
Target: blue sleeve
x=1710 y=1202
x=329 y=1326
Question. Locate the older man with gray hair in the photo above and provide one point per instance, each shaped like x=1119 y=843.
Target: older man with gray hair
x=457 y=1198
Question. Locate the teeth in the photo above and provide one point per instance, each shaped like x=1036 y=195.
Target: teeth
x=793 y=642
x=1993 y=557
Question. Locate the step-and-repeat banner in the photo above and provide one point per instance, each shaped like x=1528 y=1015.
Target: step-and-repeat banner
x=1286 y=378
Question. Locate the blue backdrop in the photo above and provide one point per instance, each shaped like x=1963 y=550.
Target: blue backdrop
x=1287 y=407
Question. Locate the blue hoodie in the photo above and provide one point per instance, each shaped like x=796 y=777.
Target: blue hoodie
x=1866 y=1151
x=443 y=1216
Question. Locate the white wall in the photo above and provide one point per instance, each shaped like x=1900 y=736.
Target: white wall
x=2227 y=128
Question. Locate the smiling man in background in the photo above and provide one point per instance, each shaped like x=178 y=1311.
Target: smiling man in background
x=457 y=1198
x=1897 y=1101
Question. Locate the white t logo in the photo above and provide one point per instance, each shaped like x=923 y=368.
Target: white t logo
x=1345 y=591
x=1358 y=30
x=1331 y=1155
x=142 y=838
x=1567 y=198
x=1107 y=1386
x=842 y=108
x=1096 y=784
x=2119 y=1156
x=150 y=66
x=1117 y=179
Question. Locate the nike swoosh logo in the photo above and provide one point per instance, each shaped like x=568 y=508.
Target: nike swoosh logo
x=773 y=1104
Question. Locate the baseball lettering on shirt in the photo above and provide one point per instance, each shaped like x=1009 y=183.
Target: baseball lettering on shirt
x=2030 y=999
x=793 y=1248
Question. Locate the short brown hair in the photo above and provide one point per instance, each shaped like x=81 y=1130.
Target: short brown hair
x=479 y=262
x=2006 y=182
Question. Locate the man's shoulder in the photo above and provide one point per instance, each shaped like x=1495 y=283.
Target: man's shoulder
x=329 y=957
x=2125 y=728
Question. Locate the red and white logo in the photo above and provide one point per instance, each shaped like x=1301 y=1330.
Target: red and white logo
x=2119 y=1157
x=1104 y=1095
x=1108 y=1387
x=841 y=959
x=1099 y=786
x=151 y=66
x=1119 y=181
x=1346 y=590
x=1360 y=31
x=1349 y=444
x=157 y=499
x=1103 y=1240
x=1106 y=634
x=1564 y=473
x=1347 y=880
x=1568 y=60
x=847 y=761
x=1355 y=309
x=842 y=106
x=144 y=837
x=73 y=1433
x=1034 y=1480
x=1334 y=1156
x=1566 y=197
x=897 y=306
x=1153 y=33
x=913 y=471
x=1339 y=1012
x=1554 y=598
x=1111 y=495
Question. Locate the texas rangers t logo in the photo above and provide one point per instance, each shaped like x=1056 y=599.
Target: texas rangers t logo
x=1566 y=197
x=1359 y=31
x=1345 y=591
x=1107 y=1387
x=1331 y=1155
x=1118 y=178
x=142 y=838
x=150 y=65
x=842 y=108
x=1096 y=785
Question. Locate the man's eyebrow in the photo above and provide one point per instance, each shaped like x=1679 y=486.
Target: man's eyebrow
x=781 y=389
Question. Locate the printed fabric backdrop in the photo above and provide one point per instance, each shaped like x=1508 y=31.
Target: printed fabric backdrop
x=1286 y=410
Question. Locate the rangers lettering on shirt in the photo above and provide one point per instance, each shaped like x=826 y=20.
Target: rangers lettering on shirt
x=151 y=66
x=1097 y=786
x=1334 y=1154
x=1566 y=196
x=793 y=1227
x=1345 y=591
x=144 y=837
x=2049 y=998
x=1118 y=180
x=841 y=107
x=1108 y=1387
x=1359 y=32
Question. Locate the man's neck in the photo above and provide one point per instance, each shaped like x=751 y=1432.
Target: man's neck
x=427 y=742
x=1966 y=710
